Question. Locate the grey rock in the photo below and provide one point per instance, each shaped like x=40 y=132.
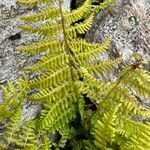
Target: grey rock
x=127 y=23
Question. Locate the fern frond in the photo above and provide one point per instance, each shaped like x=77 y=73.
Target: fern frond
x=48 y=13
x=49 y=29
x=77 y=14
x=93 y=87
x=51 y=78
x=2 y=145
x=138 y=135
x=103 y=66
x=46 y=143
x=129 y=102
x=65 y=136
x=29 y=28
x=46 y=44
x=66 y=85
x=13 y=96
x=49 y=95
x=28 y=137
x=80 y=45
x=10 y=135
x=79 y=28
x=51 y=112
x=88 y=145
x=104 y=130
x=29 y=2
x=55 y=117
x=83 y=57
x=105 y=4
x=49 y=62
x=139 y=81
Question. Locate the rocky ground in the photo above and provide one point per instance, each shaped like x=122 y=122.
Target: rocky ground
x=126 y=22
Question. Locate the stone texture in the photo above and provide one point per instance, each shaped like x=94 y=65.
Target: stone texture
x=127 y=23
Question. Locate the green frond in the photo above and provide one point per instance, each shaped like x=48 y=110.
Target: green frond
x=48 y=13
x=99 y=67
x=27 y=137
x=51 y=78
x=10 y=134
x=45 y=45
x=2 y=146
x=137 y=134
x=89 y=145
x=139 y=81
x=104 y=130
x=87 y=55
x=55 y=117
x=27 y=2
x=49 y=62
x=78 y=13
x=29 y=28
x=129 y=102
x=86 y=112
x=80 y=28
x=48 y=29
x=93 y=87
x=46 y=143
x=13 y=93
x=105 y=4
x=80 y=45
x=65 y=133
x=49 y=95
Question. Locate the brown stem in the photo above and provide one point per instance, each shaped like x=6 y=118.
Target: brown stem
x=63 y=27
x=68 y=51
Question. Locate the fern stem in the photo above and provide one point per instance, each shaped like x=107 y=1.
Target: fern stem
x=72 y=61
x=63 y=27
x=67 y=49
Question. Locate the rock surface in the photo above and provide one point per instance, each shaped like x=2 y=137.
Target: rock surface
x=127 y=23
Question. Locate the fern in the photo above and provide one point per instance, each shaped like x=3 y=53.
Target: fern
x=104 y=130
x=13 y=93
x=10 y=134
x=28 y=137
x=46 y=143
x=87 y=112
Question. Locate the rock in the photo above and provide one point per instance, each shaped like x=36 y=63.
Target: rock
x=126 y=22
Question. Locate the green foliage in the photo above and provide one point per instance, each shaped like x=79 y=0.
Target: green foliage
x=13 y=93
x=79 y=110
x=11 y=130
